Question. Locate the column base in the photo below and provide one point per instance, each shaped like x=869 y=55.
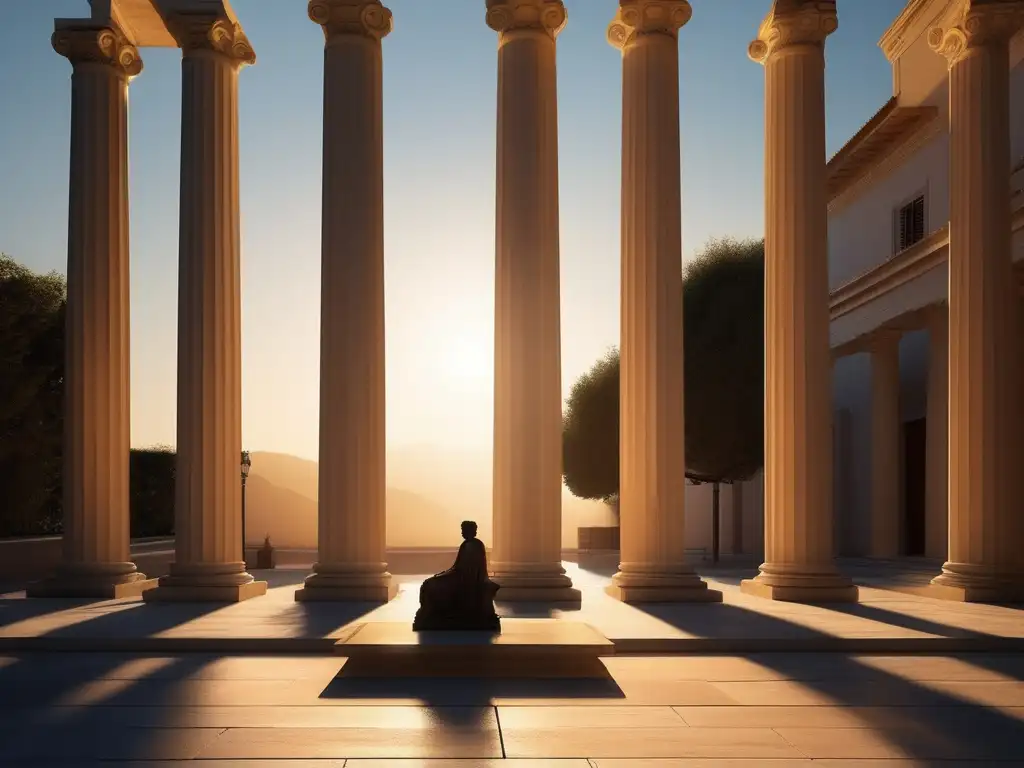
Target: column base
x=800 y=584
x=107 y=581
x=348 y=584
x=530 y=583
x=206 y=583
x=964 y=583
x=646 y=584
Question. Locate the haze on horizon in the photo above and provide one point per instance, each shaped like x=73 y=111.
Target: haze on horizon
x=439 y=123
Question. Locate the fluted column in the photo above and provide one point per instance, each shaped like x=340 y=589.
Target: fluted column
x=936 y=526
x=527 y=559
x=985 y=503
x=97 y=417
x=350 y=560
x=799 y=564
x=208 y=563
x=652 y=486
x=886 y=440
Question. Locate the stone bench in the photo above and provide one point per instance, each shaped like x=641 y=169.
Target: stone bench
x=526 y=648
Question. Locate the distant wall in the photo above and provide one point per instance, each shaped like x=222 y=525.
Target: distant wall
x=23 y=560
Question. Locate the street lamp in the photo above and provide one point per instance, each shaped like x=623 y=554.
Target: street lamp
x=246 y=464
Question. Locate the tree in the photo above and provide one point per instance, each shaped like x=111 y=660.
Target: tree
x=723 y=310
x=32 y=308
x=590 y=432
x=152 y=491
x=723 y=325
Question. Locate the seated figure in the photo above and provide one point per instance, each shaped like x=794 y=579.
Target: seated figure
x=463 y=596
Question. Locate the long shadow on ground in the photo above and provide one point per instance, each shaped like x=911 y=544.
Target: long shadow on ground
x=953 y=727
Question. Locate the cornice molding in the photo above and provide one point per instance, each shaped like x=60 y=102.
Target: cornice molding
x=793 y=22
x=902 y=268
x=902 y=33
x=889 y=162
x=645 y=17
x=98 y=45
x=368 y=18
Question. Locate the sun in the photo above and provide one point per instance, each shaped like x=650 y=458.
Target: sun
x=468 y=357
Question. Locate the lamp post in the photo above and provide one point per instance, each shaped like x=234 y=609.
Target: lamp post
x=246 y=464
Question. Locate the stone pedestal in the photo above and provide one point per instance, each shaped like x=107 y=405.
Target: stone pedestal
x=984 y=441
x=527 y=350
x=652 y=487
x=799 y=564
x=886 y=439
x=208 y=563
x=937 y=451
x=352 y=521
x=97 y=417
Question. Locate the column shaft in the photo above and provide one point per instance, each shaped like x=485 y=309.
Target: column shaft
x=886 y=440
x=799 y=563
x=208 y=564
x=652 y=484
x=937 y=431
x=352 y=523
x=97 y=415
x=527 y=351
x=984 y=502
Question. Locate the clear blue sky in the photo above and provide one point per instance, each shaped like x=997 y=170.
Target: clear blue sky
x=439 y=106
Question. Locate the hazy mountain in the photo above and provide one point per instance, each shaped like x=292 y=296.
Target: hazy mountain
x=429 y=492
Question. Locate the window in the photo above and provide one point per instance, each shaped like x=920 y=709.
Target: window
x=910 y=224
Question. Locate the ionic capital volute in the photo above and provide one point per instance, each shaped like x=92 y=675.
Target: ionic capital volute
x=794 y=22
x=545 y=16
x=351 y=17
x=207 y=32
x=645 y=17
x=974 y=24
x=98 y=45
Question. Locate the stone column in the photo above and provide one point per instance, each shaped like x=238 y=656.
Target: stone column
x=208 y=563
x=527 y=559
x=652 y=486
x=936 y=526
x=799 y=564
x=97 y=417
x=984 y=493
x=352 y=524
x=886 y=439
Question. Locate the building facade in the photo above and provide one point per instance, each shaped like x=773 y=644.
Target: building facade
x=891 y=188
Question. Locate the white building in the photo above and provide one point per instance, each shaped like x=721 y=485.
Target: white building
x=888 y=224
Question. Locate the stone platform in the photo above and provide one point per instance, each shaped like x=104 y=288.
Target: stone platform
x=892 y=616
x=525 y=648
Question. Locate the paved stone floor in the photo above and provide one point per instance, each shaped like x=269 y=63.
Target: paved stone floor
x=920 y=698
x=683 y=711
x=892 y=615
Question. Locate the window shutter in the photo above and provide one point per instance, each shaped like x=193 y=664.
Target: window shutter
x=918 y=220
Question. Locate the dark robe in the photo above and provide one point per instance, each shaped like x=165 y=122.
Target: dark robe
x=461 y=597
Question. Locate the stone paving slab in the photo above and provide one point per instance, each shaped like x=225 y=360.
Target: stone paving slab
x=770 y=709
x=883 y=621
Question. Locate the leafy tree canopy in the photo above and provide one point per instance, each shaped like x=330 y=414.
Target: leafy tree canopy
x=723 y=310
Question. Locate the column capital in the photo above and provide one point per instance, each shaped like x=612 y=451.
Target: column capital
x=793 y=22
x=351 y=17
x=639 y=17
x=973 y=24
x=215 y=33
x=547 y=16
x=98 y=45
